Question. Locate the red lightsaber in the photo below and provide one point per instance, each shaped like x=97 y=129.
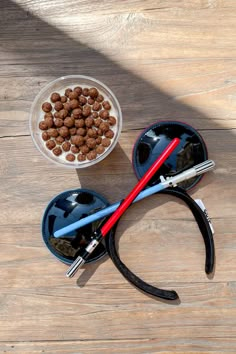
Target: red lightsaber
x=80 y=260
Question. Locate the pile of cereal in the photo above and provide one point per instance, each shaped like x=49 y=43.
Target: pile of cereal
x=77 y=124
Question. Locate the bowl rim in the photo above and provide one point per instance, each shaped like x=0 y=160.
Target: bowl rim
x=76 y=165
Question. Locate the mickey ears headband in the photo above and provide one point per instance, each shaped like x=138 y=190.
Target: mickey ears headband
x=190 y=151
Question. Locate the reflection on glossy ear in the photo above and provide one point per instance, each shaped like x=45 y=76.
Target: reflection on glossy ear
x=143 y=151
x=84 y=198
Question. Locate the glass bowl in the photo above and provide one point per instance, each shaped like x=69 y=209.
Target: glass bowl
x=59 y=85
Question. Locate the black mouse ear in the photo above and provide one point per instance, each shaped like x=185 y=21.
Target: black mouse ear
x=153 y=140
x=64 y=209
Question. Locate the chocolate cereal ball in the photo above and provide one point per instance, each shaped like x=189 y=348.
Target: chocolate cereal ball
x=67 y=92
x=89 y=122
x=63 y=99
x=64 y=131
x=85 y=91
x=77 y=113
x=69 y=122
x=74 y=104
x=92 y=132
x=91 y=143
x=57 y=151
x=79 y=123
x=81 y=131
x=99 y=132
x=81 y=157
x=67 y=106
x=52 y=132
x=59 y=140
x=82 y=100
x=66 y=146
x=92 y=155
x=50 y=144
x=98 y=140
x=100 y=98
x=106 y=105
x=106 y=142
x=97 y=122
x=100 y=149
x=48 y=115
x=72 y=131
x=73 y=95
x=75 y=149
x=63 y=113
x=104 y=127
x=86 y=110
x=46 y=107
x=97 y=106
x=58 y=106
x=49 y=122
x=55 y=96
x=43 y=125
x=93 y=92
x=56 y=115
x=112 y=120
x=58 y=122
x=104 y=114
x=94 y=114
x=90 y=101
x=78 y=89
x=84 y=149
x=77 y=140
x=70 y=157
x=45 y=136
x=109 y=134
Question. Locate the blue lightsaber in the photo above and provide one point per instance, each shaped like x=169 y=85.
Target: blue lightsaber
x=165 y=183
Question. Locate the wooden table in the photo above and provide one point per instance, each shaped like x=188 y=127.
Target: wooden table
x=164 y=60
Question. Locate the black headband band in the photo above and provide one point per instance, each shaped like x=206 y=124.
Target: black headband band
x=205 y=229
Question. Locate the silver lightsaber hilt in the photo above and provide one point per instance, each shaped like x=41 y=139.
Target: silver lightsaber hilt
x=199 y=169
x=84 y=255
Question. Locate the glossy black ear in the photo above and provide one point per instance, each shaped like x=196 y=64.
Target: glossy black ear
x=153 y=140
x=64 y=209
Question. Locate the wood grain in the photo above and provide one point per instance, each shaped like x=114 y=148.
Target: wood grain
x=163 y=60
x=122 y=346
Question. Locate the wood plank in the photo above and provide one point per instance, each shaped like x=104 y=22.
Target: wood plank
x=110 y=7
x=152 y=345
